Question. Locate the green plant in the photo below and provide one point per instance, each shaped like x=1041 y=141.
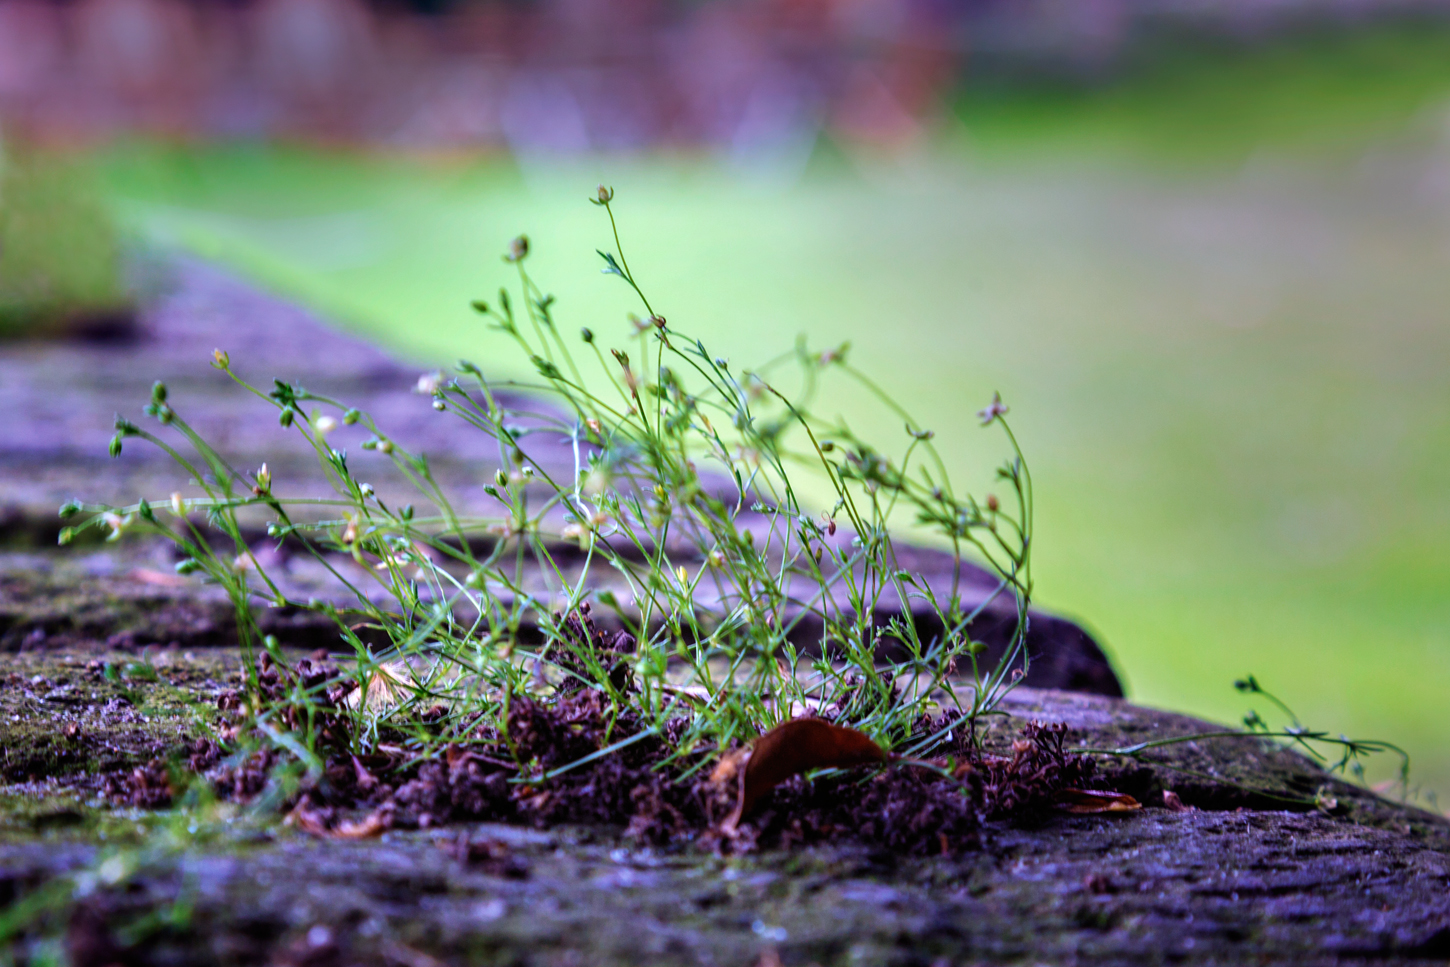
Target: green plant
x=714 y=658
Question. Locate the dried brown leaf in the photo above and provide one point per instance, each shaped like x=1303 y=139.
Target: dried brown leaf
x=789 y=749
x=374 y=824
x=1096 y=801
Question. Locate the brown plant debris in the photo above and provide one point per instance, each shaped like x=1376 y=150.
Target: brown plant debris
x=756 y=796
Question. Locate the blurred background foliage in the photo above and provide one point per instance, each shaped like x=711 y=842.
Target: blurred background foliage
x=60 y=258
x=1207 y=264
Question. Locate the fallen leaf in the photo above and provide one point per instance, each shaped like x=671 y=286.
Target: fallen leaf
x=387 y=687
x=1096 y=801
x=374 y=824
x=789 y=749
x=1171 y=801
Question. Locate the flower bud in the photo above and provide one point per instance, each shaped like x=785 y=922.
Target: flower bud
x=993 y=504
x=386 y=446
x=501 y=478
x=519 y=249
x=605 y=195
x=115 y=447
x=366 y=489
x=264 y=480
x=188 y=565
x=158 y=392
x=587 y=334
x=479 y=306
x=285 y=417
x=69 y=509
x=220 y=359
x=325 y=424
x=406 y=512
x=178 y=506
x=439 y=405
x=351 y=417
x=147 y=514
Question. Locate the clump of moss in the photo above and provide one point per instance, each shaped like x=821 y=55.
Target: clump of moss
x=60 y=260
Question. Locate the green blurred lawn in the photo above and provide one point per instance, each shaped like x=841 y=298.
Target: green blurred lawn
x=1228 y=365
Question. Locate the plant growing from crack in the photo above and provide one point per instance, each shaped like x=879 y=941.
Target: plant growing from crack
x=710 y=572
x=691 y=610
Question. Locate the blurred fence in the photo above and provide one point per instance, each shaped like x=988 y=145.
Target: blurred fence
x=750 y=76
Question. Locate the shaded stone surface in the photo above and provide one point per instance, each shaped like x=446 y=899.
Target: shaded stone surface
x=1255 y=874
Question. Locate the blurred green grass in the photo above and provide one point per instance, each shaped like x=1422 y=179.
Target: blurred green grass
x=1230 y=377
x=60 y=266
x=1202 y=99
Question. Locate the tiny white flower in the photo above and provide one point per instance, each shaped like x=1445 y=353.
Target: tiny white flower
x=994 y=409
x=117 y=524
x=325 y=424
x=428 y=383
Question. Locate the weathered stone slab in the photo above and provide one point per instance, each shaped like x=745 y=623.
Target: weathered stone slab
x=1234 y=878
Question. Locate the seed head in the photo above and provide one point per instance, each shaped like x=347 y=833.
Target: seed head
x=518 y=249
x=993 y=504
x=605 y=195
